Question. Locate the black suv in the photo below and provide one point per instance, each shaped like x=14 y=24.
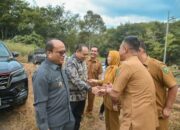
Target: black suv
x=13 y=79
x=37 y=57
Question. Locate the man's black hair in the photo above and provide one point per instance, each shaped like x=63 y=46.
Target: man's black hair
x=133 y=42
x=143 y=46
x=94 y=46
x=106 y=61
x=49 y=45
x=79 y=47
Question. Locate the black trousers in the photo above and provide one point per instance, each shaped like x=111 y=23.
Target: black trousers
x=77 y=110
x=101 y=108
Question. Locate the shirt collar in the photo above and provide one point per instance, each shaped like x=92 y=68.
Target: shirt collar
x=74 y=55
x=94 y=60
x=132 y=57
x=53 y=65
x=146 y=61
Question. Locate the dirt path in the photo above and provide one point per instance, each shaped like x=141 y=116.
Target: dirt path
x=175 y=116
x=22 y=117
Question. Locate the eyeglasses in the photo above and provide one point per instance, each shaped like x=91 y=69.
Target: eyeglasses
x=61 y=53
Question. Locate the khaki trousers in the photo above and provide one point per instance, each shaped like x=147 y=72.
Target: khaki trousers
x=90 y=104
x=112 y=119
x=163 y=124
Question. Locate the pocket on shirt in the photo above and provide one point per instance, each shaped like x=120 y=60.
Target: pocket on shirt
x=57 y=83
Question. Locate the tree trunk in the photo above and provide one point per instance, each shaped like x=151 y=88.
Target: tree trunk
x=2 y=34
x=5 y=33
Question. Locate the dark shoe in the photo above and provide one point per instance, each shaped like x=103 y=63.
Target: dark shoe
x=101 y=116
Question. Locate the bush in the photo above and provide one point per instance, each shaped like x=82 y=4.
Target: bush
x=33 y=38
x=23 y=49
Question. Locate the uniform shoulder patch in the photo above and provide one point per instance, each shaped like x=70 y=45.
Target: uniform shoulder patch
x=117 y=72
x=165 y=69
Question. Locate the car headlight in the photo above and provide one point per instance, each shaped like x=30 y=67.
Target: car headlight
x=18 y=72
x=14 y=76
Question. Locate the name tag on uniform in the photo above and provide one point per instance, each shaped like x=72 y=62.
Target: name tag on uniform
x=57 y=83
x=60 y=84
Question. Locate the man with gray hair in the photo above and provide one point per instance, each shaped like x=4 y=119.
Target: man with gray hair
x=51 y=92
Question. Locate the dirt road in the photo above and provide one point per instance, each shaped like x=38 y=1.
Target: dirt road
x=22 y=117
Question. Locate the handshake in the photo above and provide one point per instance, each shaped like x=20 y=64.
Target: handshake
x=100 y=90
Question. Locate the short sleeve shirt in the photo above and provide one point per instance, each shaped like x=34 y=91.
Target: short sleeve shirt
x=137 y=89
x=94 y=69
x=163 y=79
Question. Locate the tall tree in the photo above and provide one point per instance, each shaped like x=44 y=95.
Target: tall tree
x=91 y=25
x=10 y=13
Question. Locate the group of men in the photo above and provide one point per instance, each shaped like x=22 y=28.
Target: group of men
x=60 y=90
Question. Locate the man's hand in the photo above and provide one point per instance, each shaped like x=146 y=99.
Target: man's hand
x=95 y=90
x=98 y=91
x=108 y=87
x=102 y=90
x=92 y=82
x=166 y=112
x=105 y=89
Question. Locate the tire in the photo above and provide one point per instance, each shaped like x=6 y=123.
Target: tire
x=30 y=58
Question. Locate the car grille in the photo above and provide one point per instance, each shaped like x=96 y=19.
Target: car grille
x=4 y=80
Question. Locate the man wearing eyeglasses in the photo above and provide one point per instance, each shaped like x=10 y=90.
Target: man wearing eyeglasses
x=51 y=92
x=76 y=70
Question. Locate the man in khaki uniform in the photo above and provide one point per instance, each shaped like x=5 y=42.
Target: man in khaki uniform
x=165 y=83
x=94 y=72
x=134 y=86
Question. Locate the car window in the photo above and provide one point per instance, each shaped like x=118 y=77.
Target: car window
x=3 y=51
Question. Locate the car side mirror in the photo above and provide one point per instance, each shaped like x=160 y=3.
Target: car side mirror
x=15 y=54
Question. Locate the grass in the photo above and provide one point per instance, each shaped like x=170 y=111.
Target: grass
x=93 y=123
x=102 y=59
x=21 y=48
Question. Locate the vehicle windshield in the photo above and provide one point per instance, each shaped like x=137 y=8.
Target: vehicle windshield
x=3 y=51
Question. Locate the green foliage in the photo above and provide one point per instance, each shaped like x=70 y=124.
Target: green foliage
x=11 y=12
x=92 y=23
x=33 y=25
x=152 y=33
x=30 y=39
x=92 y=26
x=173 y=48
